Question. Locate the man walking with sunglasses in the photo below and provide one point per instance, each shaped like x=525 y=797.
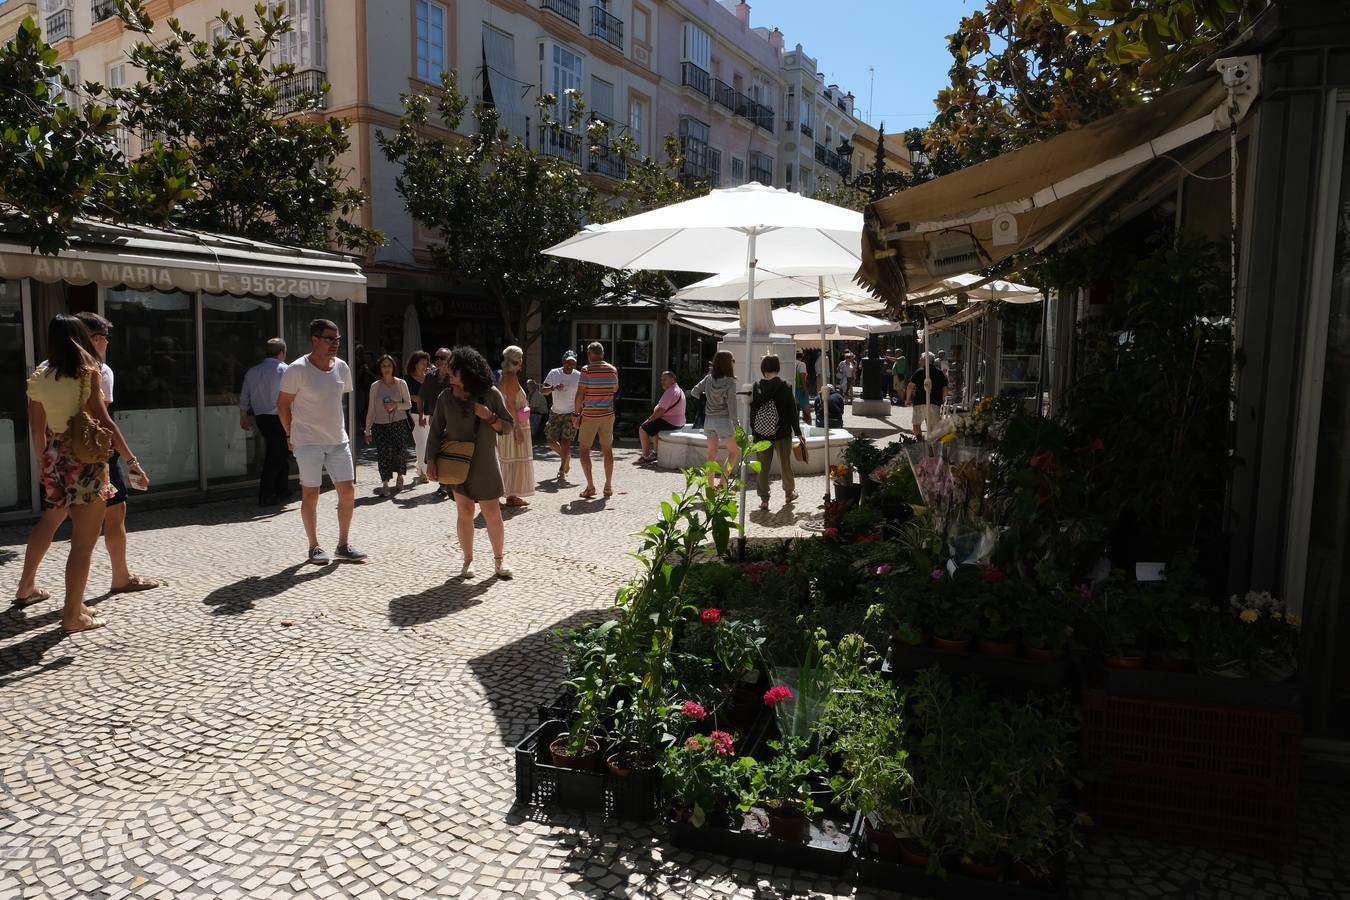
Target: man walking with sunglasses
x=310 y=407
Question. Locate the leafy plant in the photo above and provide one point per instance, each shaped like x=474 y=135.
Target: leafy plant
x=863 y=455
x=861 y=520
x=954 y=613
x=1045 y=618
x=703 y=777
x=782 y=784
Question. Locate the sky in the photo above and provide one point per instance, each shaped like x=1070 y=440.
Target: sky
x=903 y=41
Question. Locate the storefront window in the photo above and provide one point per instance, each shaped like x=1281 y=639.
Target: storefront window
x=153 y=355
x=234 y=330
x=15 y=459
x=1020 y=350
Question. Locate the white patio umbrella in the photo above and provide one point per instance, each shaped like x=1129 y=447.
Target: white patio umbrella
x=993 y=290
x=846 y=324
x=731 y=287
x=731 y=230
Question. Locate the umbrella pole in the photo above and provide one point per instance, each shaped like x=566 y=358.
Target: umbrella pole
x=750 y=374
x=824 y=385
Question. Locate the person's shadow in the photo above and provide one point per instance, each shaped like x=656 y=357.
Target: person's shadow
x=454 y=595
x=239 y=597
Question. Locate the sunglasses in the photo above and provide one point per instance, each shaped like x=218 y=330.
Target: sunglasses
x=331 y=338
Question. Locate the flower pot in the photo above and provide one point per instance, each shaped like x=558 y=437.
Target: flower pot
x=1124 y=662
x=947 y=645
x=997 y=648
x=1165 y=663
x=619 y=765
x=885 y=843
x=985 y=871
x=912 y=853
x=787 y=825
x=587 y=759
x=1043 y=655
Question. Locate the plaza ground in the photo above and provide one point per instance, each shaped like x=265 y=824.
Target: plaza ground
x=263 y=728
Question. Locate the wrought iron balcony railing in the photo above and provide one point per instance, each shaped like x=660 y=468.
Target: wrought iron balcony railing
x=291 y=89
x=60 y=26
x=724 y=94
x=568 y=9
x=808 y=131
x=606 y=27
x=696 y=78
x=554 y=140
x=761 y=115
x=104 y=9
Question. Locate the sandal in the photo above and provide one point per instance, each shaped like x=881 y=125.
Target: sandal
x=137 y=583
x=609 y=491
x=94 y=623
x=35 y=597
x=588 y=494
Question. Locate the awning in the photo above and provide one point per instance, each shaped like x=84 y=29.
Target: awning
x=144 y=258
x=1038 y=192
x=704 y=325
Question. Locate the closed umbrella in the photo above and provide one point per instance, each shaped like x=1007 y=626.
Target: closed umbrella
x=412 y=332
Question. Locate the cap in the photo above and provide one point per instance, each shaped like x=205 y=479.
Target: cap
x=570 y=354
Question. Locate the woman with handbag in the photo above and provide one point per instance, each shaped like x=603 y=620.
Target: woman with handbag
x=69 y=419
x=462 y=451
x=387 y=423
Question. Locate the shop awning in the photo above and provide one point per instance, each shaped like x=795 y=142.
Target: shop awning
x=705 y=325
x=1037 y=193
x=151 y=258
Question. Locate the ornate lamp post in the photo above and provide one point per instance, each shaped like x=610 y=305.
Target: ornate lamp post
x=876 y=183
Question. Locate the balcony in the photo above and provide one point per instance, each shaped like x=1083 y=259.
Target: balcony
x=808 y=131
x=60 y=26
x=725 y=95
x=568 y=9
x=602 y=160
x=554 y=140
x=696 y=78
x=295 y=90
x=104 y=9
x=761 y=115
x=761 y=168
x=606 y=27
x=833 y=160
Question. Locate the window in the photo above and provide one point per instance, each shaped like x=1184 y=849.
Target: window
x=236 y=327
x=219 y=32
x=117 y=78
x=761 y=168
x=642 y=29
x=787 y=176
x=430 y=40
x=697 y=46
x=694 y=143
x=567 y=72
x=637 y=122
x=302 y=46
x=71 y=69
x=715 y=167
x=499 y=55
x=737 y=171
x=601 y=100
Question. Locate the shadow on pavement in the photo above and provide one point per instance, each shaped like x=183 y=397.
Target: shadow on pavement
x=455 y=595
x=29 y=653
x=583 y=505
x=239 y=597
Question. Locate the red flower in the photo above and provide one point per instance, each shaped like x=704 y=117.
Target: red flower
x=776 y=695
x=722 y=743
x=693 y=744
x=831 y=532
x=692 y=710
x=994 y=575
x=1042 y=460
x=868 y=538
x=711 y=616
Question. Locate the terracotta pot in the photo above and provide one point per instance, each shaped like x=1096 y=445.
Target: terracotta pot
x=615 y=763
x=587 y=759
x=986 y=871
x=886 y=844
x=1043 y=655
x=787 y=826
x=1124 y=662
x=912 y=853
x=1164 y=663
x=997 y=648
x=950 y=646
x=1035 y=876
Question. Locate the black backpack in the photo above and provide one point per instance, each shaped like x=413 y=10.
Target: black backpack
x=764 y=418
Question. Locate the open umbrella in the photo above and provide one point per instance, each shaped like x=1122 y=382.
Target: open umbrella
x=731 y=287
x=731 y=230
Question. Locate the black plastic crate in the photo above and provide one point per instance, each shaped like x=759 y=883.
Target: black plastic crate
x=827 y=850
x=1004 y=674
x=539 y=782
x=1212 y=690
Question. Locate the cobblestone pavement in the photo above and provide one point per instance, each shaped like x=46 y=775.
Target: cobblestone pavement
x=262 y=728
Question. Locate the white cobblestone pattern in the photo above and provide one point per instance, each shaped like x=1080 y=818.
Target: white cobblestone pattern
x=199 y=746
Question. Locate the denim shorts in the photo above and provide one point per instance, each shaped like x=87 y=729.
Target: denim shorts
x=719 y=427
x=313 y=459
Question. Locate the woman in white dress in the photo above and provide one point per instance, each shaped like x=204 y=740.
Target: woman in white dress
x=514 y=448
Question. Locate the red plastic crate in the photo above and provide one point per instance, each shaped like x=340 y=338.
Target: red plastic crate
x=1219 y=740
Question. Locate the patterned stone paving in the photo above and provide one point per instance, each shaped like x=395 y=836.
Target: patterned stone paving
x=201 y=746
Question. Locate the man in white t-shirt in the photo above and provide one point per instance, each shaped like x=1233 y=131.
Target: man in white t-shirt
x=561 y=431
x=310 y=408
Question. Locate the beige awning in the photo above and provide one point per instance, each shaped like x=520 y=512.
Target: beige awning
x=144 y=258
x=1044 y=189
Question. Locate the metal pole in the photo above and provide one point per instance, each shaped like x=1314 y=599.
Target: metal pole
x=824 y=386
x=749 y=371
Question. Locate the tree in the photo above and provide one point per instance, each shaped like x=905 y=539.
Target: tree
x=58 y=161
x=257 y=175
x=496 y=204
x=1024 y=70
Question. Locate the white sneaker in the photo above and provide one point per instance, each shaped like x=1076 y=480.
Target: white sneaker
x=467 y=570
x=503 y=572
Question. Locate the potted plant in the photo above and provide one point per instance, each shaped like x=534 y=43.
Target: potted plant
x=781 y=787
x=1045 y=621
x=863 y=455
x=703 y=777
x=1277 y=632
x=1117 y=614
x=953 y=616
x=997 y=612
x=579 y=746
x=905 y=598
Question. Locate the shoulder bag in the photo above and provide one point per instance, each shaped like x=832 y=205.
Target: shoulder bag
x=455 y=458
x=87 y=441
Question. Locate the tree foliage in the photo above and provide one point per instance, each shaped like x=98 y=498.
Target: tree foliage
x=216 y=154
x=496 y=203
x=1024 y=70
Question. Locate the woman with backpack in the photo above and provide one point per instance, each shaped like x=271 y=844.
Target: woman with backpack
x=773 y=418
x=718 y=392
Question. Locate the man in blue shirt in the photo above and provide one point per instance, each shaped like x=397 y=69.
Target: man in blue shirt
x=258 y=404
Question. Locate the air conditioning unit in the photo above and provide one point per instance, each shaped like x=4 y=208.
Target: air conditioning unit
x=951 y=253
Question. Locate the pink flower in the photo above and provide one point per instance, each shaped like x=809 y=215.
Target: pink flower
x=883 y=568
x=831 y=532
x=721 y=742
x=1084 y=591
x=711 y=616
x=693 y=744
x=692 y=710
x=936 y=574
x=776 y=695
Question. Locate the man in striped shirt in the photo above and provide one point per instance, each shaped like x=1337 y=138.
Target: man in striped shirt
x=594 y=414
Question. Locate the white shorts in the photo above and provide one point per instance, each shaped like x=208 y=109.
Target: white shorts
x=927 y=416
x=313 y=459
